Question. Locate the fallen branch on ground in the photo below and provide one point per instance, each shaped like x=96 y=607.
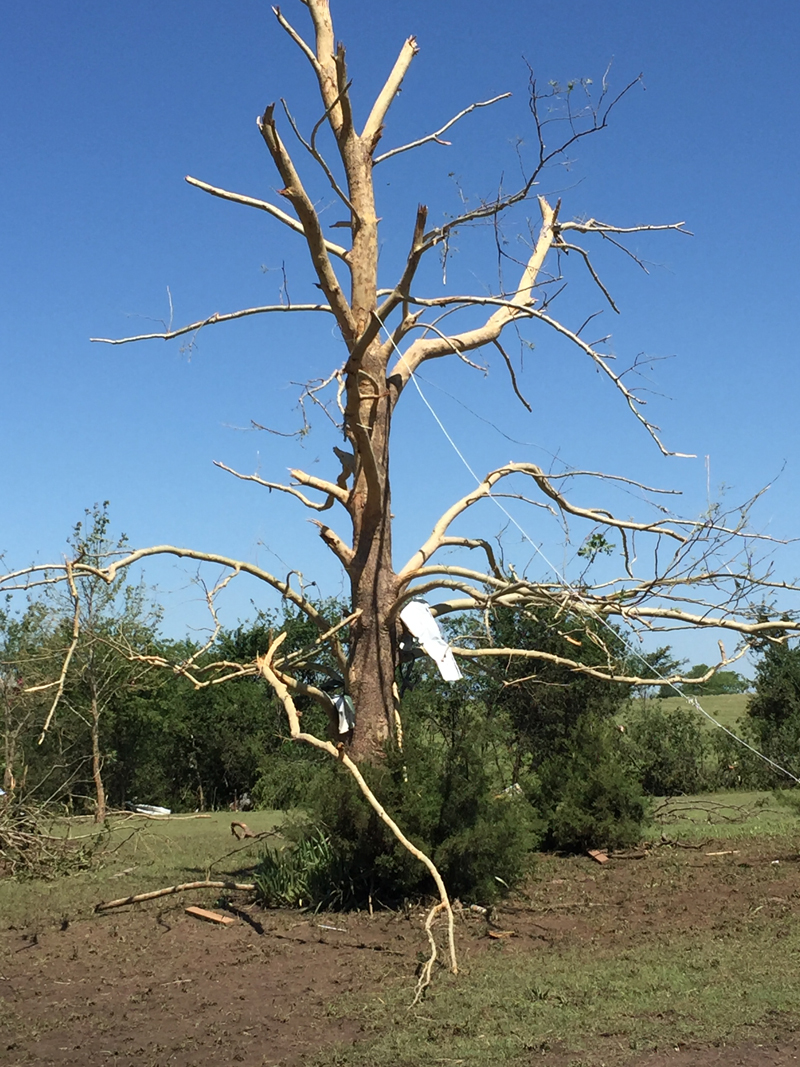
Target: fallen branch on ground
x=245 y=887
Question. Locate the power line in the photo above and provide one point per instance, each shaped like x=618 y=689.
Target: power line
x=691 y=701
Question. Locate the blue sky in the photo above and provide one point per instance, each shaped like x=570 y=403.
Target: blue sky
x=107 y=107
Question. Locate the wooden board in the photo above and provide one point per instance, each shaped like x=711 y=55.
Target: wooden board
x=210 y=916
x=599 y=855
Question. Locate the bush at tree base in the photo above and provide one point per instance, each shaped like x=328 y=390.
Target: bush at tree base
x=440 y=792
x=445 y=791
x=299 y=875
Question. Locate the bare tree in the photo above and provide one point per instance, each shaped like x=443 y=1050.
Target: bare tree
x=674 y=572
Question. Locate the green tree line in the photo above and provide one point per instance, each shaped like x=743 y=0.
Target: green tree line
x=525 y=753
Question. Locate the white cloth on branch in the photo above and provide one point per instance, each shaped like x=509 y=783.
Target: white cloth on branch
x=418 y=618
x=347 y=713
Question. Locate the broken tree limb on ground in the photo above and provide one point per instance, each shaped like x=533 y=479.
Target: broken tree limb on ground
x=137 y=898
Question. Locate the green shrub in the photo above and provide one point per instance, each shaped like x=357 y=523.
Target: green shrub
x=669 y=751
x=772 y=722
x=441 y=793
x=286 y=777
x=589 y=797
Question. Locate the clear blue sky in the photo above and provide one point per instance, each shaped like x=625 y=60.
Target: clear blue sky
x=106 y=107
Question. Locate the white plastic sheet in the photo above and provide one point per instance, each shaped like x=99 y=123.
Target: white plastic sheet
x=417 y=617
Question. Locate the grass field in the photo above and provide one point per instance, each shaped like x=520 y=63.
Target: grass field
x=604 y=1005
x=732 y=815
x=726 y=709
x=136 y=855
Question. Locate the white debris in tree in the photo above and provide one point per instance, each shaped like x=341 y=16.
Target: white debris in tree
x=347 y=713
x=418 y=618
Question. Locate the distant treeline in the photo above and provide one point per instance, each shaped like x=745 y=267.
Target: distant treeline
x=135 y=721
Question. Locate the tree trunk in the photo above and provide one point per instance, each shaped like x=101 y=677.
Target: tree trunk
x=373 y=650
x=97 y=764
x=373 y=582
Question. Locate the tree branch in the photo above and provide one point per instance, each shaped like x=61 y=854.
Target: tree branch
x=332 y=491
x=298 y=40
x=520 y=303
x=425 y=349
x=328 y=63
x=294 y=192
x=531 y=470
x=443 y=129
x=212 y=320
x=593 y=672
x=311 y=148
x=76 y=629
x=512 y=375
x=262 y=205
x=238 y=566
x=343 y=552
x=372 y=128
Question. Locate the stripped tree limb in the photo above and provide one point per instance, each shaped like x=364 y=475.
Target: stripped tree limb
x=334 y=492
x=593 y=672
x=312 y=231
x=374 y=124
x=262 y=205
x=137 y=898
x=76 y=630
x=278 y=683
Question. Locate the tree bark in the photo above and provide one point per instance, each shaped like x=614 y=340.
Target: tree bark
x=372 y=659
x=372 y=643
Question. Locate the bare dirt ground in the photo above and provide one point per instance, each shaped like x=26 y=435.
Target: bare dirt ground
x=151 y=986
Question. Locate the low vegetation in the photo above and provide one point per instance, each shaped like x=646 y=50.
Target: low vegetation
x=586 y=963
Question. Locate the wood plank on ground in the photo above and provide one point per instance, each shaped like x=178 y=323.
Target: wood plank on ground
x=210 y=916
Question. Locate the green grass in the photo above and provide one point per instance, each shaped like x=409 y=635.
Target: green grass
x=659 y=993
x=723 y=815
x=137 y=855
x=726 y=709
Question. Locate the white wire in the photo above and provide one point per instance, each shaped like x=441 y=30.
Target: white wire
x=691 y=701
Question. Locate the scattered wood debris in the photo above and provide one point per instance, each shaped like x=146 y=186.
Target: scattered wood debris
x=725 y=852
x=599 y=855
x=498 y=935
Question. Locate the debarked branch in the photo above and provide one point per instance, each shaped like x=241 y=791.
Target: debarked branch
x=332 y=492
x=212 y=320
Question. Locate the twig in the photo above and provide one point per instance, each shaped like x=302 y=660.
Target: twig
x=443 y=129
x=262 y=205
